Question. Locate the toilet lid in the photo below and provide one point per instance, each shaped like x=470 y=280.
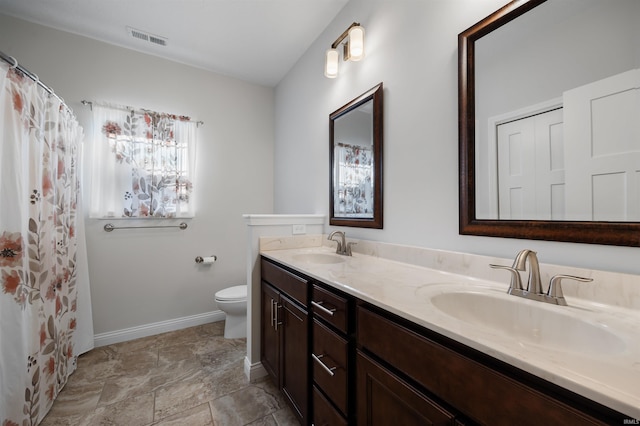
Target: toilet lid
x=232 y=293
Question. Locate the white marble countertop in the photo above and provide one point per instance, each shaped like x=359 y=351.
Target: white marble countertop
x=608 y=374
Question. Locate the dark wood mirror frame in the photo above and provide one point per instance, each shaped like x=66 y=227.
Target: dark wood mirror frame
x=375 y=94
x=611 y=233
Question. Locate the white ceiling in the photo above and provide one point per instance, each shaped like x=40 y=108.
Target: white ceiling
x=253 y=40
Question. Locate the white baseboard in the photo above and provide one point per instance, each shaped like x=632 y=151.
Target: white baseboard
x=253 y=371
x=124 y=335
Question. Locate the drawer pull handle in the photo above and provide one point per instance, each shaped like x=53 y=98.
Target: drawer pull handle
x=272 y=314
x=316 y=358
x=277 y=321
x=322 y=308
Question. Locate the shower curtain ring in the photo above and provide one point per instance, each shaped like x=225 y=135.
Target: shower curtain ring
x=15 y=63
x=36 y=78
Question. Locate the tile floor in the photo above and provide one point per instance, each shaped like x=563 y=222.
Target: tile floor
x=191 y=377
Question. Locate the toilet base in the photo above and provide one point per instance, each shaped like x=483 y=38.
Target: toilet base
x=235 y=326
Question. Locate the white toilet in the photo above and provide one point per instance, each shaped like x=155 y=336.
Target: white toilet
x=233 y=302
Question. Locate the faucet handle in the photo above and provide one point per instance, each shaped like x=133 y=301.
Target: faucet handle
x=348 y=248
x=555 y=287
x=516 y=281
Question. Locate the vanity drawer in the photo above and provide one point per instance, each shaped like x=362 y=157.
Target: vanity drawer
x=330 y=307
x=483 y=394
x=294 y=286
x=330 y=360
x=323 y=411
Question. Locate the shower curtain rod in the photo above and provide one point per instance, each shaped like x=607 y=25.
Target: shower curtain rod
x=128 y=108
x=14 y=64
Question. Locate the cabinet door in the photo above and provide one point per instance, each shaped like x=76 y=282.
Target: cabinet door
x=270 y=343
x=295 y=356
x=385 y=399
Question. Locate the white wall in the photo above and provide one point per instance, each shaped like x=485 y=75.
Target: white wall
x=146 y=276
x=411 y=46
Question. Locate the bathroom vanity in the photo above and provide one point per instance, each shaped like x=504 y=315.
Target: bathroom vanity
x=370 y=344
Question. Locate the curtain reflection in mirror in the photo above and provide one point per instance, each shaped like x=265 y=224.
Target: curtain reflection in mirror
x=354 y=176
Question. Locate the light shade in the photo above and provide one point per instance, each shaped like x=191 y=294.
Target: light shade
x=356 y=43
x=331 y=63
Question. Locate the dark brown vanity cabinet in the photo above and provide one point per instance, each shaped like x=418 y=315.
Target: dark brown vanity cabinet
x=342 y=361
x=285 y=335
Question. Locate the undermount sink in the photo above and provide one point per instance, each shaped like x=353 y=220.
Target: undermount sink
x=529 y=322
x=321 y=258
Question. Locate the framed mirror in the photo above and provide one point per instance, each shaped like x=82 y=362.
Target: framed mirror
x=355 y=162
x=575 y=178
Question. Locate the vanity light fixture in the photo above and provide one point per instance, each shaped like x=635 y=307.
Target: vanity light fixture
x=353 y=49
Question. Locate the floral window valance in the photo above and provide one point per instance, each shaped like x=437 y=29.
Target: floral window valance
x=142 y=164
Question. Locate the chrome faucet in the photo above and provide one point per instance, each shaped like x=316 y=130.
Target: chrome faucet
x=343 y=247
x=534 y=289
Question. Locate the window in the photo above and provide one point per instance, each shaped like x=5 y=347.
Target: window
x=142 y=164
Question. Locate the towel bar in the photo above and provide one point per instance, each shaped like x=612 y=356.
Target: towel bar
x=110 y=226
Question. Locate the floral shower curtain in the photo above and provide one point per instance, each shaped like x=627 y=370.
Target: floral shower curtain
x=43 y=273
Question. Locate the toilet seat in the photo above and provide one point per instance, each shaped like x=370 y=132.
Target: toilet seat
x=232 y=294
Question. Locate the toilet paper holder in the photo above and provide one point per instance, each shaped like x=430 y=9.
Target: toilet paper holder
x=209 y=259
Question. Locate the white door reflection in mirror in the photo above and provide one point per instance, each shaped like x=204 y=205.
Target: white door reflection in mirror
x=577 y=162
x=602 y=134
x=555 y=48
x=531 y=167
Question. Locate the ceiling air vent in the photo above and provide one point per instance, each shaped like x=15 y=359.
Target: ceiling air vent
x=158 y=40
x=141 y=35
